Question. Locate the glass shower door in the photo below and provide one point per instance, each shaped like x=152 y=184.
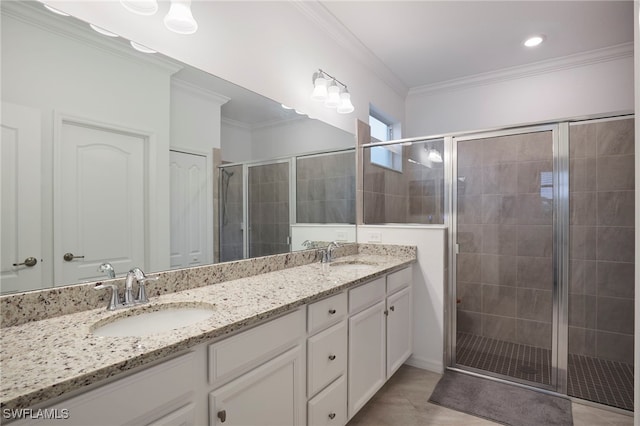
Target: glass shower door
x=504 y=267
x=268 y=208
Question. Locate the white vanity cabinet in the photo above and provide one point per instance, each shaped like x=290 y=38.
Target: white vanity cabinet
x=159 y=395
x=315 y=365
x=327 y=361
x=380 y=334
x=258 y=375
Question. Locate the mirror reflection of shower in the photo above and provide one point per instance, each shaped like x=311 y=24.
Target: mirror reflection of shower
x=226 y=177
x=230 y=219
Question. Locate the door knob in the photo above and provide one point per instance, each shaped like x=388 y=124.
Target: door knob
x=29 y=261
x=70 y=256
x=222 y=415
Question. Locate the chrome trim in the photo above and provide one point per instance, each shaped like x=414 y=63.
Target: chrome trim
x=561 y=256
x=601 y=116
x=286 y=157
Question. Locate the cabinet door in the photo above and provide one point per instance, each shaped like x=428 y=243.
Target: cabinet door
x=272 y=394
x=399 y=330
x=367 y=344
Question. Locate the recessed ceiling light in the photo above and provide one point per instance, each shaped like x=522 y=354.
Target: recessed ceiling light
x=141 y=48
x=103 y=31
x=534 y=41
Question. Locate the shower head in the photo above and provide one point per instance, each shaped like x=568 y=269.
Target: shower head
x=228 y=173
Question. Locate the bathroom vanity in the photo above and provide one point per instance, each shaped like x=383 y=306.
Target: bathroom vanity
x=303 y=345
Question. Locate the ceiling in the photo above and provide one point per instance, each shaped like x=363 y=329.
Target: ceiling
x=429 y=42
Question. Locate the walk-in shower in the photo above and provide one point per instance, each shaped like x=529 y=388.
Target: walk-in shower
x=543 y=252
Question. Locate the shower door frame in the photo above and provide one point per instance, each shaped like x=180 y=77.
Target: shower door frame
x=560 y=254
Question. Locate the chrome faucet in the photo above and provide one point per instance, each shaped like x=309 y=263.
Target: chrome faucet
x=134 y=274
x=332 y=246
x=327 y=253
x=108 y=269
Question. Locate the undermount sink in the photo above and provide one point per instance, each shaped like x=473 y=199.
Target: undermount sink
x=161 y=319
x=351 y=265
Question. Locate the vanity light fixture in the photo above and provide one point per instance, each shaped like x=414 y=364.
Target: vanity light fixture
x=534 y=41
x=54 y=10
x=141 y=48
x=140 y=7
x=180 y=19
x=332 y=92
x=103 y=31
x=434 y=156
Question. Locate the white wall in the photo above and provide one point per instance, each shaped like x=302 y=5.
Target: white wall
x=429 y=278
x=555 y=91
x=320 y=232
x=195 y=118
x=51 y=72
x=296 y=137
x=235 y=141
x=271 y=48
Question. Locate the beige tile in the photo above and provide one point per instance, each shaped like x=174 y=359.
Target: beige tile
x=584 y=415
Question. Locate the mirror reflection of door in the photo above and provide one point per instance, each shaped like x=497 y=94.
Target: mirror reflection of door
x=190 y=210
x=99 y=200
x=20 y=199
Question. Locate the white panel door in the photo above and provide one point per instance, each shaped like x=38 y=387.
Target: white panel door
x=189 y=210
x=21 y=198
x=99 y=201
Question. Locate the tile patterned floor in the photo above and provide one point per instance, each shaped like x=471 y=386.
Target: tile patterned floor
x=403 y=401
x=602 y=381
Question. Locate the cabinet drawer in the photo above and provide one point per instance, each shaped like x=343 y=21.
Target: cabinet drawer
x=366 y=295
x=327 y=357
x=398 y=280
x=329 y=407
x=325 y=312
x=233 y=356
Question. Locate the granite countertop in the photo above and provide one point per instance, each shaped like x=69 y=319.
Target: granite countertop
x=44 y=359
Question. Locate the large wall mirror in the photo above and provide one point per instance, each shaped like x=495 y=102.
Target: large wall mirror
x=113 y=155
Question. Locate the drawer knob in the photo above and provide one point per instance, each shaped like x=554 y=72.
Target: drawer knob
x=332 y=311
x=393 y=308
x=332 y=357
x=222 y=415
x=332 y=416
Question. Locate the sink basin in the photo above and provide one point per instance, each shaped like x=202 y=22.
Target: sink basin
x=161 y=319
x=351 y=265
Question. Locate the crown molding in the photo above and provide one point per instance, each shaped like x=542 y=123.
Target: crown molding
x=577 y=60
x=201 y=92
x=31 y=13
x=330 y=26
x=264 y=125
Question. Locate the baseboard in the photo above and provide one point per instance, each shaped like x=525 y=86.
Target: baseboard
x=425 y=364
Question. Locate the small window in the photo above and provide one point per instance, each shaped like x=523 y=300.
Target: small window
x=385 y=156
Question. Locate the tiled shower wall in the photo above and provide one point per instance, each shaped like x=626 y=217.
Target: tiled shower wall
x=231 y=214
x=504 y=216
x=414 y=195
x=326 y=188
x=268 y=209
x=601 y=186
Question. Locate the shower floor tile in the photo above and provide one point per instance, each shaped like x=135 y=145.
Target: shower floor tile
x=602 y=381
